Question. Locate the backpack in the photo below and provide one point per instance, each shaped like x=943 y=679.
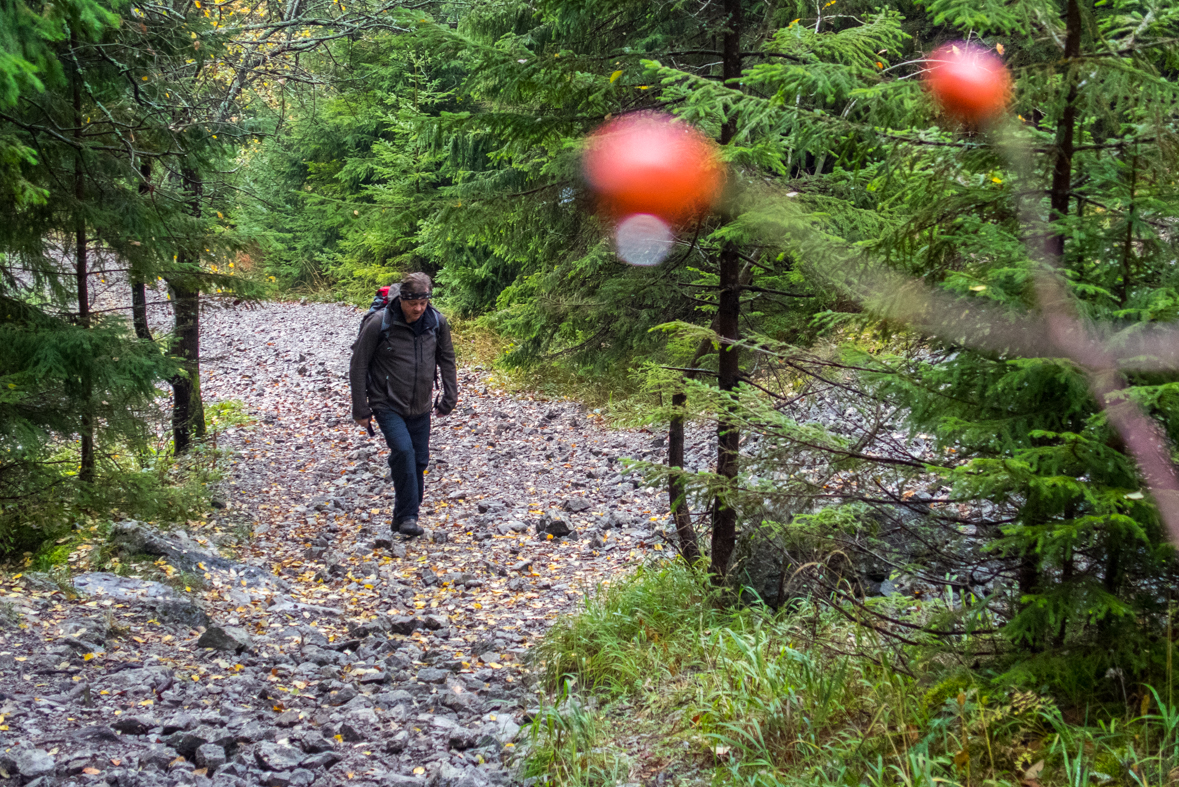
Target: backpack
x=380 y=301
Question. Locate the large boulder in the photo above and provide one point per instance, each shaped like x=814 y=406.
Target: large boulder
x=181 y=551
x=160 y=598
x=760 y=563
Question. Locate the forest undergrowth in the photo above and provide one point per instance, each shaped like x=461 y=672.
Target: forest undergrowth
x=658 y=679
x=41 y=527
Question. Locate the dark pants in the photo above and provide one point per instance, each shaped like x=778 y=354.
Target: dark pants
x=409 y=453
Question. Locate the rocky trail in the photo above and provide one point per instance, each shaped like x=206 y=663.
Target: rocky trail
x=298 y=642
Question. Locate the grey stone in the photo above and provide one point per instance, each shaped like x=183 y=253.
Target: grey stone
x=365 y=719
x=323 y=759
x=403 y=624
x=182 y=552
x=398 y=780
x=576 y=505
x=276 y=757
x=318 y=655
x=180 y=722
x=375 y=678
x=351 y=732
x=301 y=777
x=29 y=763
x=210 y=756
x=432 y=675
x=133 y=725
x=40 y=581
x=227 y=638
x=461 y=738
x=504 y=729
x=154 y=595
x=313 y=742
x=398 y=742
x=288 y=718
x=342 y=696
x=759 y=564
x=187 y=743
x=98 y=733
x=558 y=527
x=255 y=731
x=158 y=755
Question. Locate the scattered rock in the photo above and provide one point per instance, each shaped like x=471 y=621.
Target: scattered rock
x=576 y=505
x=227 y=638
x=29 y=763
x=210 y=756
x=133 y=725
x=277 y=757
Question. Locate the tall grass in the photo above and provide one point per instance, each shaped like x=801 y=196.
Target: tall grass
x=653 y=668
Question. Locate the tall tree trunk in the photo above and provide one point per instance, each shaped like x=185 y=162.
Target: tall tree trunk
x=82 y=273
x=188 y=412
x=188 y=417
x=138 y=284
x=1062 y=175
x=728 y=436
x=676 y=490
x=1062 y=169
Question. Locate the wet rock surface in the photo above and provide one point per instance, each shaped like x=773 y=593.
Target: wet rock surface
x=298 y=640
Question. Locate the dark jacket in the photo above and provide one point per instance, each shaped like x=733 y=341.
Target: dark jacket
x=397 y=373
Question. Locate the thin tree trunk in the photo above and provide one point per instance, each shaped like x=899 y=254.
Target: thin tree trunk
x=1062 y=176
x=81 y=274
x=728 y=436
x=138 y=285
x=188 y=412
x=676 y=491
x=1062 y=169
x=139 y=309
x=1128 y=245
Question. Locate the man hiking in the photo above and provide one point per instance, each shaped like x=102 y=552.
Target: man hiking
x=392 y=373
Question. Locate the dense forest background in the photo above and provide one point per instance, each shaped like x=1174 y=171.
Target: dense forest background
x=970 y=506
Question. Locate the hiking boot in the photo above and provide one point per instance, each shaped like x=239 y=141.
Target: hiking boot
x=409 y=527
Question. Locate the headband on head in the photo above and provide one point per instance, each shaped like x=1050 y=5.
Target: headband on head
x=415 y=296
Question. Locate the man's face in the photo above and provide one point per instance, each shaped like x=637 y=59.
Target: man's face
x=413 y=309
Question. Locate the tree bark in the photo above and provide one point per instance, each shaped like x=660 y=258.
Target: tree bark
x=728 y=436
x=1062 y=169
x=81 y=276
x=188 y=412
x=138 y=284
x=676 y=491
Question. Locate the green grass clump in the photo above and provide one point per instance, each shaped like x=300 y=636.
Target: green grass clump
x=655 y=675
x=629 y=632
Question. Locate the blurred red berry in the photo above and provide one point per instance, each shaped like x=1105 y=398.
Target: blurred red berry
x=971 y=83
x=648 y=163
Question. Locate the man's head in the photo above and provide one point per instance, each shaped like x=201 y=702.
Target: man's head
x=415 y=295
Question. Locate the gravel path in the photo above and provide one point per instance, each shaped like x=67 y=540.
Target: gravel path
x=299 y=642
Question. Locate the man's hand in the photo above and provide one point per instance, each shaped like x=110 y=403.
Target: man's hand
x=439 y=414
x=365 y=422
